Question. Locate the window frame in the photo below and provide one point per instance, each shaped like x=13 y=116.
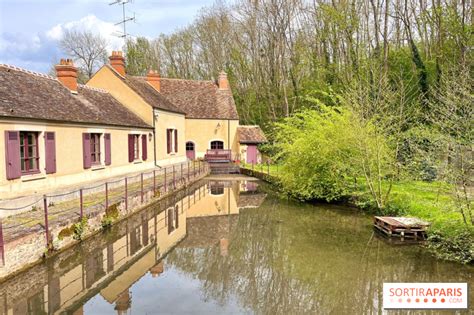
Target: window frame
x=95 y=142
x=24 y=160
x=136 y=147
x=215 y=142
x=189 y=143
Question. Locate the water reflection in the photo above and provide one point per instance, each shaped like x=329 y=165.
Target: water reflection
x=110 y=263
x=208 y=250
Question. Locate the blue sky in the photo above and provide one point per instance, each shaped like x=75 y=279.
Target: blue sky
x=30 y=29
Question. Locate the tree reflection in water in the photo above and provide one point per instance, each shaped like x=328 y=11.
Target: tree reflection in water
x=290 y=258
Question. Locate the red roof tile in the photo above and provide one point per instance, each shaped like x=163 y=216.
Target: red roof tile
x=251 y=134
x=28 y=95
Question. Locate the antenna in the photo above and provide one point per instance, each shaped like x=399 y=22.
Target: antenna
x=124 y=20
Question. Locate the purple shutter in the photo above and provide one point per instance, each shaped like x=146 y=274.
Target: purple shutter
x=131 y=148
x=168 y=141
x=86 y=148
x=12 y=154
x=176 y=214
x=176 y=140
x=144 y=148
x=170 y=220
x=108 y=149
x=50 y=148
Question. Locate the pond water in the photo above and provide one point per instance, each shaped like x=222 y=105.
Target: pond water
x=228 y=247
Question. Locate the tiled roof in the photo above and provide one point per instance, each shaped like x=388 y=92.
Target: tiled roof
x=200 y=99
x=251 y=134
x=29 y=95
x=148 y=92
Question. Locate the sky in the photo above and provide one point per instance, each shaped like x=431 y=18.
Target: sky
x=30 y=29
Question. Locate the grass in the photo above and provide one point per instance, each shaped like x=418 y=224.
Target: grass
x=450 y=237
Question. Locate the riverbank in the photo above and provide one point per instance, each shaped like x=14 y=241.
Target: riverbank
x=448 y=237
x=25 y=239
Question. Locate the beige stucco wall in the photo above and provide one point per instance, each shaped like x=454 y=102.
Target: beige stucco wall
x=107 y=80
x=243 y=154
x=203 y=131
x=167 y=120
x=69 y=157
x=208 y=204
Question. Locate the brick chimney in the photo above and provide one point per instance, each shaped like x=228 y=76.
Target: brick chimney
x=67 y=74
x=222 y=82
x=117 y=61
x=153 y=78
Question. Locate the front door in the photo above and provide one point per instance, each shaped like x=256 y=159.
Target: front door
x=252 y=154
x=190 y=151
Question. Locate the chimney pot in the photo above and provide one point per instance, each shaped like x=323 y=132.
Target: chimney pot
x=117 y=61
x=153 y=78
x=223 y=82
x=67 y=74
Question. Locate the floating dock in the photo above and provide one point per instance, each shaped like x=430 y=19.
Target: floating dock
x=402 y=227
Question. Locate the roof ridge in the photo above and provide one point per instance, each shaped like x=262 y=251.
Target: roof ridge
x=28 y=71
x=93 y=88
x=192 y=80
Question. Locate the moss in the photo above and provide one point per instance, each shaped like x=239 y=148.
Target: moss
x=66 y=232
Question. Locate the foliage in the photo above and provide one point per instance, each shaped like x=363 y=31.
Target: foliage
x=315 y=146
x=111 y=214
x=80 y=228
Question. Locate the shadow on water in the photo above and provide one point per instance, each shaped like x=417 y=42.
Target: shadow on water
x=227 y=247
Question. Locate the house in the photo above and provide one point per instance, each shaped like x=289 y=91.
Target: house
x=142 y=96
x=58 y=133
x=249 y=138
x=201 y=112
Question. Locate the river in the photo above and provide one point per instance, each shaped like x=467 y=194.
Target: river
x=228 y=247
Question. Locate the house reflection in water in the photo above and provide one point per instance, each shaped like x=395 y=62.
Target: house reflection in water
x=110 y=263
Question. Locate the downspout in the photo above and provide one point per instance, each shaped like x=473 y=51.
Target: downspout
x=155 y=116
x=228 y=138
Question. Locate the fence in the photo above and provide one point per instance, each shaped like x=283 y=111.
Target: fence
x=53 y=214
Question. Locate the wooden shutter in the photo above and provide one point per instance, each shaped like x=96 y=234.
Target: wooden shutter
x=86 y=148
x=108 y=149
x=50 y=149
x=12 y=150
x=168 y=141
x=144 y=148
x=176 y=214
x=131 y=148
x=176 y=140
x=170 y=220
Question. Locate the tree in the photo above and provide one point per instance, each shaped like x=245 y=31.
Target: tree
x=87 y=49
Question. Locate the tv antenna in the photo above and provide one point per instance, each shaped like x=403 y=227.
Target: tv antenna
x=125 y=18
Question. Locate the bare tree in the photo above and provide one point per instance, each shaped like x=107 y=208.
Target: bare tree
x=88 y=50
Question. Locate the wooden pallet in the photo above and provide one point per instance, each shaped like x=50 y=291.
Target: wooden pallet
x=401 y=227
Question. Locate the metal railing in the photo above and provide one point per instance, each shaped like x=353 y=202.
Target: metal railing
x=70 y=207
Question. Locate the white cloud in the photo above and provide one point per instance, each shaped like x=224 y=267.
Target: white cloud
x=89 y=23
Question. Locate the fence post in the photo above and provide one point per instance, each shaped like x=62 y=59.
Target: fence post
x=2 y=245
x=188 y=171
x=141 y=187
x=154 y=182
x=174 y=179
x=126 y=194
x=194 y=169
x=199 y=164
x=165 y=180
x=81 y=200
x=46 y=225
x=181 y=175
x=106 y=196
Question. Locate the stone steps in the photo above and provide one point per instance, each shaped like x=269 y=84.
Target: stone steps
x=224 y=168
